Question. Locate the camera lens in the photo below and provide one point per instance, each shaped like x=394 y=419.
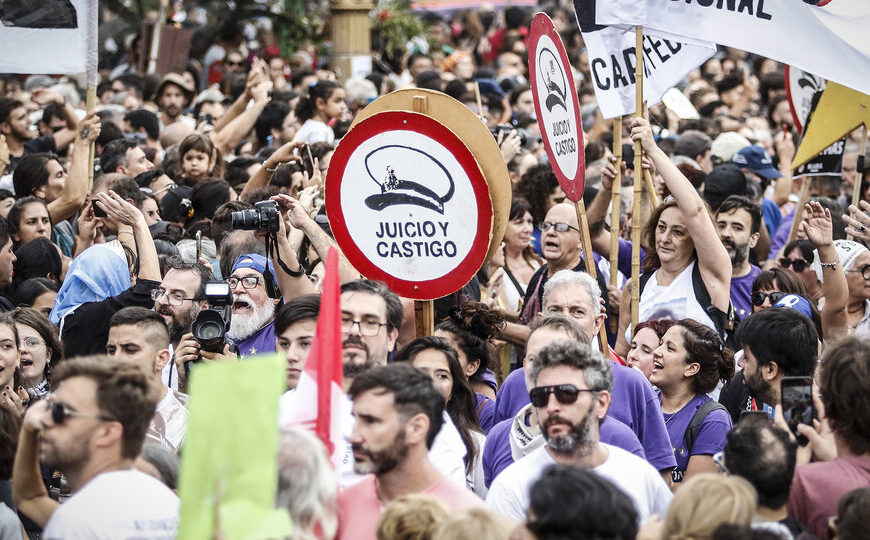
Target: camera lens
x=209 y=330
x=248 y=220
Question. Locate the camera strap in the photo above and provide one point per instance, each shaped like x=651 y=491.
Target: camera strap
x=271 y=283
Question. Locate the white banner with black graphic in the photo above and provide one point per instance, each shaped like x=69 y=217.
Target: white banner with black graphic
x=48 y=36
x=826 y=37
x=612 y=61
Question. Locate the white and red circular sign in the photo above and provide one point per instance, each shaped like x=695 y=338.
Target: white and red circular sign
x=800 y=87
x=408 y=204
x=556 y=105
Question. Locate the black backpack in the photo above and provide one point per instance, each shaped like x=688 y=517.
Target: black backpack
x=725 y=322
x=698 y=419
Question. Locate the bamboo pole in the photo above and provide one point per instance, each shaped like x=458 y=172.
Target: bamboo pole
x=586 y=240
x=638 y=186
x=615 y=196
x=799 y=211
x=653 y=196
x=856 y=189
x=90 y=105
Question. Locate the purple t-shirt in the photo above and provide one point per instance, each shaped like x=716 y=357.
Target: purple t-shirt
x=497 y=453
x=710 y=438
x=780 y=238
x=633 y=402
x=623 y=263
x=485 y=408
x=512 y=396
x=260 y=342
x=741 y=292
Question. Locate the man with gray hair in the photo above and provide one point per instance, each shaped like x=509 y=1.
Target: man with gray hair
x=571 y=395
x=578 y=296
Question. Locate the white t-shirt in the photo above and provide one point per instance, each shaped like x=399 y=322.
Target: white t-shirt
x=675 y=301
x=313 y=131
x=509 y=493
x=117 y=505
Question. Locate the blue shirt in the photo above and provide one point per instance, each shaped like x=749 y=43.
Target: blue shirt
x=260 y=342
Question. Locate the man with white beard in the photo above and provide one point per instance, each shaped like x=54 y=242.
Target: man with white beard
x=252 y=326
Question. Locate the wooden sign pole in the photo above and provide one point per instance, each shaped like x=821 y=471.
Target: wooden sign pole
x=856 y=189
x=615 y=196
x=424 y=310
x=651 y=188
x=586 y=241
x=799 y=211
x=638 y=187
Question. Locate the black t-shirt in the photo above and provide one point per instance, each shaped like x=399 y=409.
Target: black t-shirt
x=33 y=146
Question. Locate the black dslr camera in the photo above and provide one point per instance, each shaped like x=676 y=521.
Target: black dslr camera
x=210 y=326
x=263 y=217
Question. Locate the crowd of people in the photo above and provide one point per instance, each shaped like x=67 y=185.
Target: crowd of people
x=508 y=421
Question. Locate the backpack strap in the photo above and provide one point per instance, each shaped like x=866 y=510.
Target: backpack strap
x=725 y=322
x=642 y=279
x=697 y=420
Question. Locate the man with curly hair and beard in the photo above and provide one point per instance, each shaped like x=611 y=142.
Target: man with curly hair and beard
x=571 y=395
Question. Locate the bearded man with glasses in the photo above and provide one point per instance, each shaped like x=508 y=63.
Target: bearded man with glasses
x=570 y=394
x=91 y=429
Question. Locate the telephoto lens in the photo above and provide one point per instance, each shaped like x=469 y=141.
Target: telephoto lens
x=264 y=217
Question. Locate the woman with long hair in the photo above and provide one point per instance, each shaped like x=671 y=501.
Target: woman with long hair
x=684 y=243
x=520 y=259
x=470 y=329
x=438 y=358
x=688 y=364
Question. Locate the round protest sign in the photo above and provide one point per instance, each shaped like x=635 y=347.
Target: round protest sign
x=474 y=134
x=556 y=105
x=800 y=88
x=408 y=204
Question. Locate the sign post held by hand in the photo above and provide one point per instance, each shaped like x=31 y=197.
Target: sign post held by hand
x=638 y=187
x=558 y=112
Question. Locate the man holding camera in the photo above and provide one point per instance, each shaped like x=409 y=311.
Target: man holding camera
x=252 y=325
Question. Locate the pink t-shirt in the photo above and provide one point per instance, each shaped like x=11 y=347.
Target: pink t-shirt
x=359 y=507
x=818 y=487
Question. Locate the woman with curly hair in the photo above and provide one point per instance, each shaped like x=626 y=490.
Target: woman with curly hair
x=470 y=329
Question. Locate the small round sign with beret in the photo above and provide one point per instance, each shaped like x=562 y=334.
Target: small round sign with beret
x=556 y=105
x=408 y=204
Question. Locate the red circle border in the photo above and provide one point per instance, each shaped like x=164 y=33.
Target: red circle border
x=543 y=25
x=427 y=126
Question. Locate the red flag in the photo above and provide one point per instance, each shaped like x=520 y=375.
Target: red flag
x=321 y=380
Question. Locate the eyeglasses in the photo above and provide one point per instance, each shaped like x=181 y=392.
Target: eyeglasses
x=248 y=282
x=566 y=394
x=798 y=265
x=231 y=63
x=758 y=297
x=31 y=343
x=173 y=298
x=60 y=412
x=865 y=271
x=367 y=328
x=560 y=227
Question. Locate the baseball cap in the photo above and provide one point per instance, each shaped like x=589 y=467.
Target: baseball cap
x=756 y=159
x=796 y=302
x=722 y=182
x=727 y=144
x=255 y=261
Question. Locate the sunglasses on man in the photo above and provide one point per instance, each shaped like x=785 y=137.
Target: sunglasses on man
x=566 y=394
x=60 y=413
